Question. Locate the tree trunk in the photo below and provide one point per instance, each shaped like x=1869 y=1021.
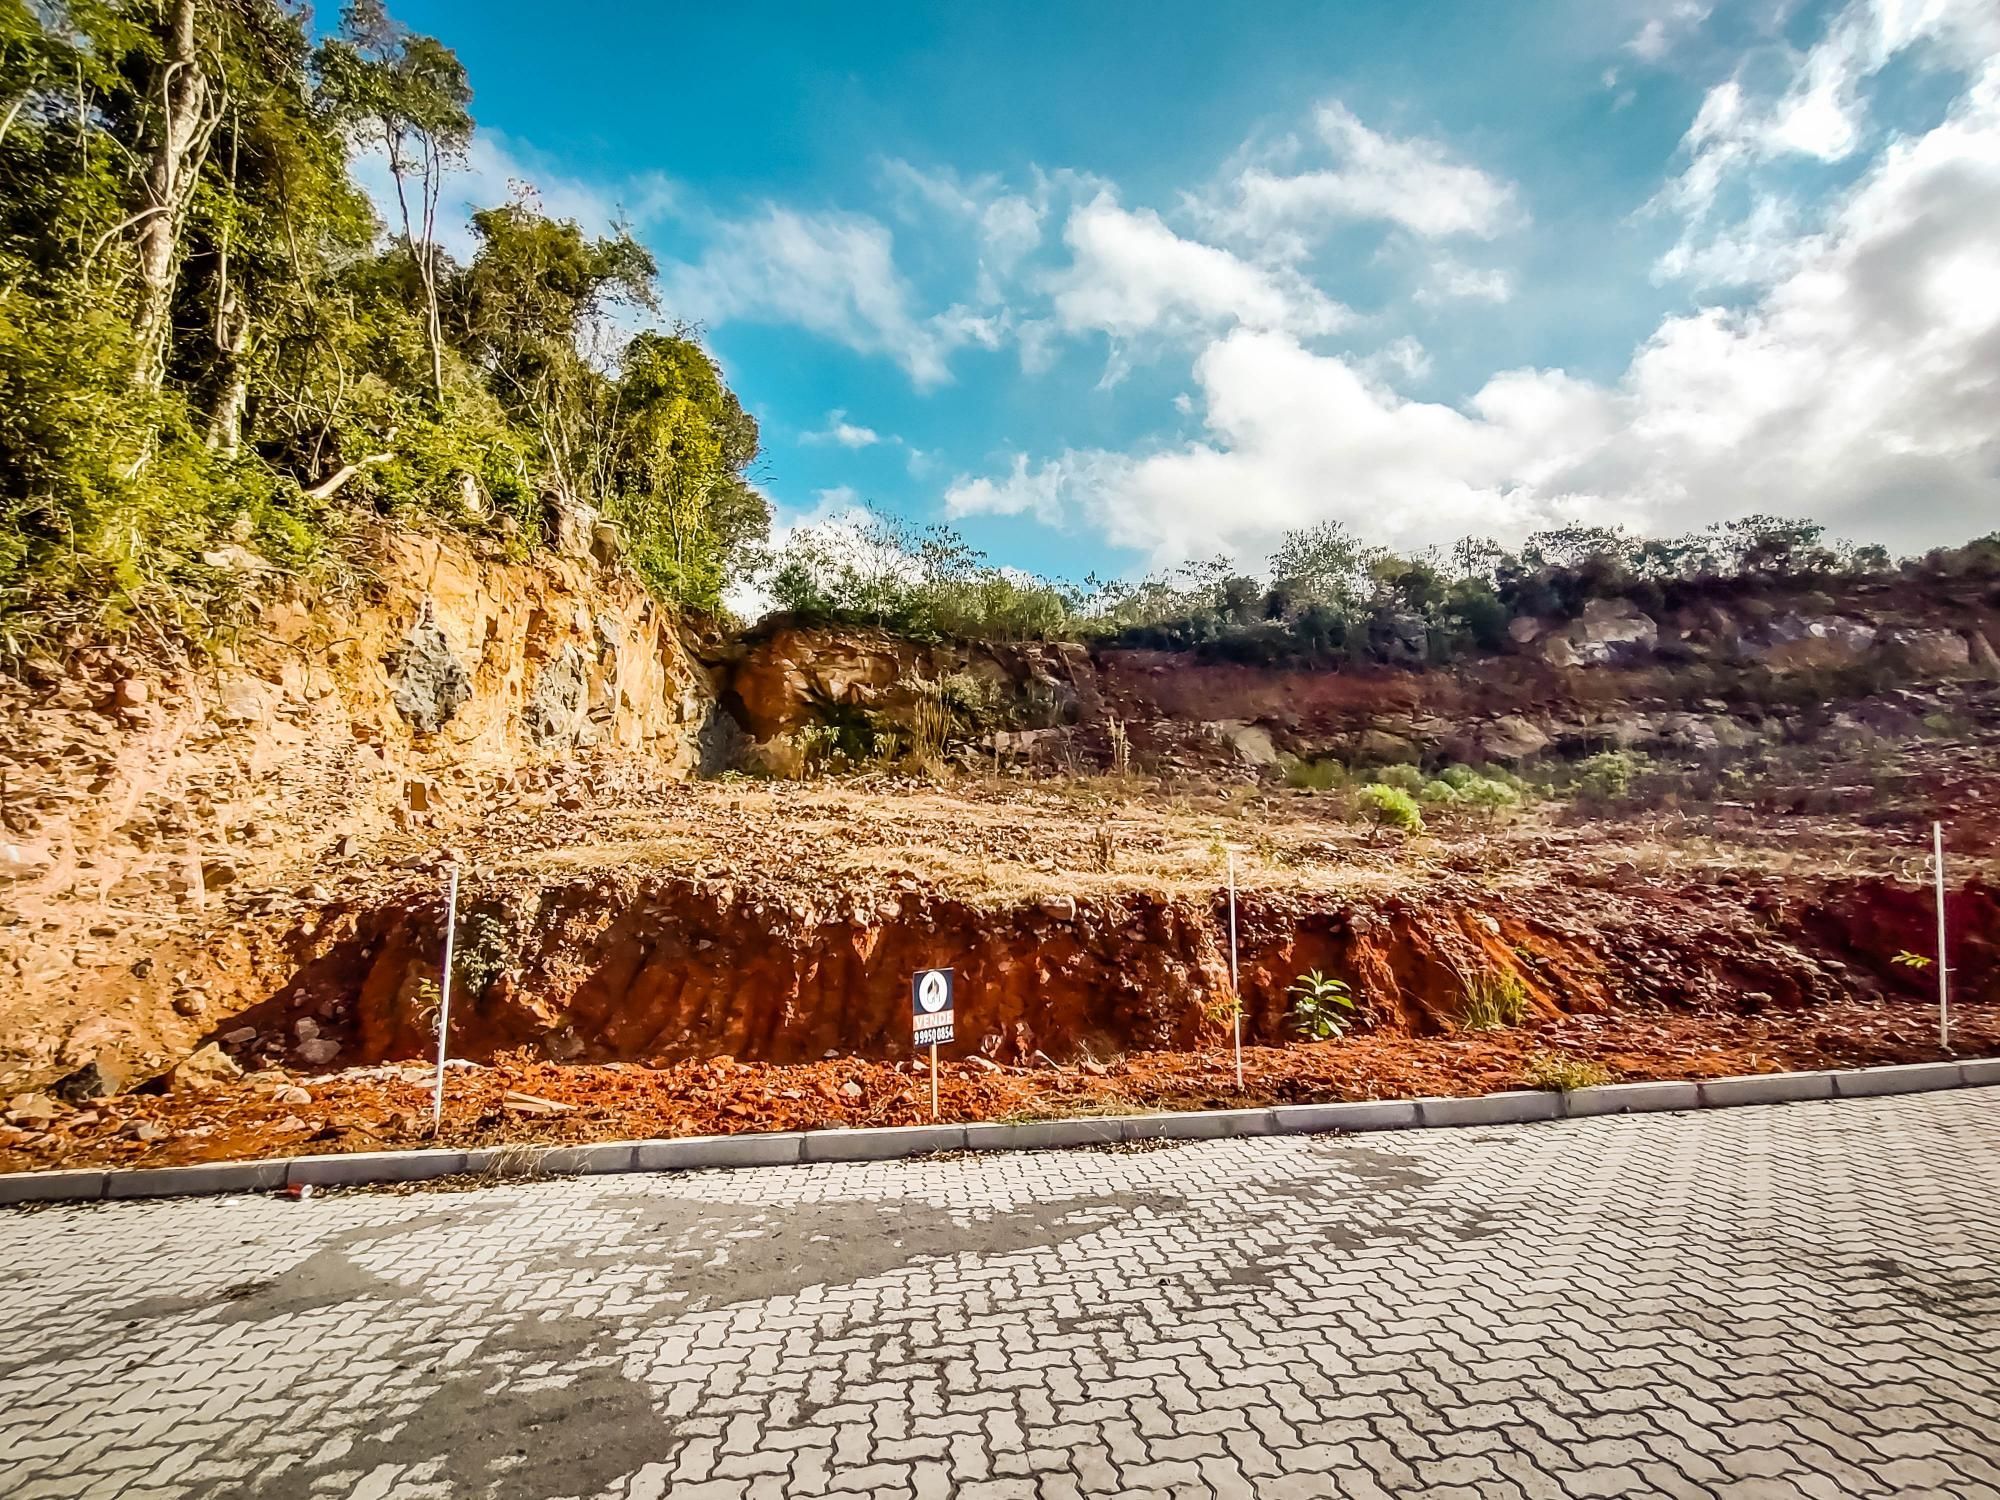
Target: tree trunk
x=173 y=164
x=232 y=344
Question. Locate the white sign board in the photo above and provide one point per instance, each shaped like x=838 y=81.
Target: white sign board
x=930 y=1006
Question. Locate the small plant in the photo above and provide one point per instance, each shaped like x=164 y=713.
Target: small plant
x=1493 y=1000
x=1487 y=794
x=480 y=954
x=1911 y=960
x=1392 y=807
x=1121 y=747
x=1402 y=778
x=1437 y=793
x=1606 y=776
x=1318 y=1004
x=1104 y=848
x=1314 y=775
x=930 y=724
x=1561 y=1073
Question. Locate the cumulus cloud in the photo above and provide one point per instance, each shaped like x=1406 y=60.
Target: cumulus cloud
x=1409 y=181
x=842 y=433
x=1858 y=386
x=1130 y=274
x=833 y=273
x=1663 y=32
x=1451 y=280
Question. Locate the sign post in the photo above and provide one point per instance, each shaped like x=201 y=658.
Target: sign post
x=444 y=1000
x=931 y=1017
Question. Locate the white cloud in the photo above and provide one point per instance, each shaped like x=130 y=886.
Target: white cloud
x=1132 y=275
x=1663 y=32
x=1008 y=225
x=1859 y=386
x=1411 y=181
x=831 y=273
x=1451 y=280
x=840 y=431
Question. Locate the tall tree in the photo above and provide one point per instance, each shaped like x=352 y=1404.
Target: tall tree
x=408 y=94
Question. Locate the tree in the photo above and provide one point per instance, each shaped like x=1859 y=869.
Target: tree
x=409 y=94
x=535 y=289
x=1325 y=563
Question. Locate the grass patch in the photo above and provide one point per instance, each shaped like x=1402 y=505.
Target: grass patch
x=1493 y=1000
x=1560 y=1073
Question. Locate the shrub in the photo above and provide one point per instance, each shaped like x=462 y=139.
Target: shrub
x=1487 y=793
x=1439 y=791
x=1392 y=807
x=1556 y=1071
x=1403 y=778
x=1493 y=1000
x=1314 y=775
x=1606 y=776
x=1318 y=1003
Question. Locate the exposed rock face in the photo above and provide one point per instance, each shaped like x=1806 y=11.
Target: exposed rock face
x=431 y=683
x=1609 y=630
x=168 y=794
x=558 y=711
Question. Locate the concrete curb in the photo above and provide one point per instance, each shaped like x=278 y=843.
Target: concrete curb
x=701 y=1153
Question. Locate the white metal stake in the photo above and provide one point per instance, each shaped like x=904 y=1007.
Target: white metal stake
x=1944 y=982
x=444 y=1000
x=934 y=1047
x=1235 y=990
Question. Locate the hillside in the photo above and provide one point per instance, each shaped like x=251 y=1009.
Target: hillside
x=1706 y=852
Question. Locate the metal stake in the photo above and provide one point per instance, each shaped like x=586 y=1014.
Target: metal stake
x=444 y=1001
x=934 y=1112
x=1944 y=983
x=1235 y=989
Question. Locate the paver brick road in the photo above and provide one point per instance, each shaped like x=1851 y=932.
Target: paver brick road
x=1800 y=1300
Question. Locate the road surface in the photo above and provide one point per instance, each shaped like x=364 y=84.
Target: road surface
x=1798 y=1300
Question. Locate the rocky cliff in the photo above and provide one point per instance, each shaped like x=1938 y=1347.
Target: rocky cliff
x=146 y=807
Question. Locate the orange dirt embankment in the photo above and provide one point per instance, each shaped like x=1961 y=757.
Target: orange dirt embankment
x=646 y=967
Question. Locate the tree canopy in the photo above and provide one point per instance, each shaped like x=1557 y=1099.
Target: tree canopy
x=209 y=338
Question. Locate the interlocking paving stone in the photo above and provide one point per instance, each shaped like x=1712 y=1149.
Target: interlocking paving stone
x=1792 y=1300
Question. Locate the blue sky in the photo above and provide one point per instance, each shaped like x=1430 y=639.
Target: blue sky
x=1112 y=285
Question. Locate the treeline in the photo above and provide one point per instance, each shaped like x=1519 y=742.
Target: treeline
x=1326 y=595
x=214 y=355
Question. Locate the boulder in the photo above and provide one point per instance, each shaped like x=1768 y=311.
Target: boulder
x=99 y=1078
x=1795 y=642
x=318 y=1052
x=1251 y=742
x=429 y=683
x=1931 y=653
x=1608 y=631
x=1509 y=738
x=205 y=1069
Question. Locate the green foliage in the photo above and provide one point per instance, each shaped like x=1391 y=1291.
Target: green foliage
x=481 y=953
x=1314 y=775
x=249 y=362
x=925 y=582
x=1560 y=1072
x=1606 y=776
x=1492 y=1000
x=1392 y=807
x=1321 y=1006
x=1403 y=778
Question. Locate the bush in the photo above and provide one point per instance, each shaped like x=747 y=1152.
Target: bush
x=1437 y=792
x=1493 y=1000
x=1317 y=1005
x=1607 y=776
x=1392 y=807
x=1403 y=778
x=1314 y=775
x=1488 y=794
x=1561 y=1073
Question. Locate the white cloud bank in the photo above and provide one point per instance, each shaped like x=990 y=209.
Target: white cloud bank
x=1860 y=385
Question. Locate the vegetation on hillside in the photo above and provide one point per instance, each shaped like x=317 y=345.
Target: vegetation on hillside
x=215 y=358
x=1327 y=597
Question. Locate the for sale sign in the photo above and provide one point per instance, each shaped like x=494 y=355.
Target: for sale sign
x=930 y=1006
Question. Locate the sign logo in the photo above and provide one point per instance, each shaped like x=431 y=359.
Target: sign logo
x=930 y=1006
